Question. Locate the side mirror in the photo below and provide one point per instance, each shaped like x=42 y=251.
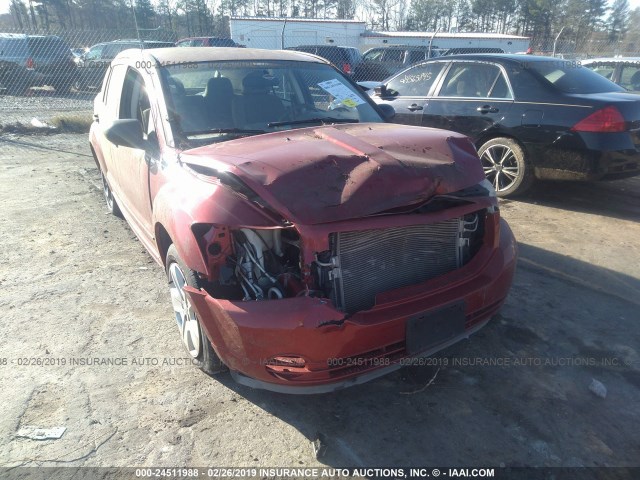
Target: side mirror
x=126 y=133
x=388 y=112
x=381 y=90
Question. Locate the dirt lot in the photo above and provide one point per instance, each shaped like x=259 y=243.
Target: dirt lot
x=44 y=105
x=76 y=285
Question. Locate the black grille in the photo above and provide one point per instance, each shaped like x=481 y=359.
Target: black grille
x=375 y=261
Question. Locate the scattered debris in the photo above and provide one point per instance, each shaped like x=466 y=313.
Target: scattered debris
x=425 y=387
x=319 y=446
x=40 y=124
x=39 y=433
x=598 y=388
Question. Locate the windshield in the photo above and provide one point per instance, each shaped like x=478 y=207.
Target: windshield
x=572 y=77
x=215 y=101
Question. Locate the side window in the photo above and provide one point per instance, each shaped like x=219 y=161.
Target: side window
x=373 y=55
x=630 y=77
x=134 y=102
x=500 y=88
x=474 y=80
x=199 y=42
x=393 y=55
x=113 y=89
x=94 y=53
x=416 y=81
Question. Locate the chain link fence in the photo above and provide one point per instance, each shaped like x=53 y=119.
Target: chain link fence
x=584 y=48
x=47 y=74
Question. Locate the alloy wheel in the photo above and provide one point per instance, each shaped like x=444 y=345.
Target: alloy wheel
x=108 y=195
x=184 y=313
x=500 y=166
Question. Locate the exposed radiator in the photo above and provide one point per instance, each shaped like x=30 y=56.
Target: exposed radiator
x=369 y=262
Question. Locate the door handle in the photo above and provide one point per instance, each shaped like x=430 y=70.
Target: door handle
x=413 y=107
x=487 y=109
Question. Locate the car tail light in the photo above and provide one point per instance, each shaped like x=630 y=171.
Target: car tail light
x=346 y=67
x=30 y=63
x=607 y=119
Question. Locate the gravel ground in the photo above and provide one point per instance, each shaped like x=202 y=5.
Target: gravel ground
x=76 y=285
x=43 y=105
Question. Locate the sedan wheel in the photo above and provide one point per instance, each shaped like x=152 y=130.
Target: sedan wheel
x=192 y=335
x=112 y=206
x=185 y=316
x=505 y=166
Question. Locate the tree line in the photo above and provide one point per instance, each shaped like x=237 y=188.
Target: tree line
x=581 y=19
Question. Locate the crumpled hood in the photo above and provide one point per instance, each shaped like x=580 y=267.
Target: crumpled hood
x=332 y=173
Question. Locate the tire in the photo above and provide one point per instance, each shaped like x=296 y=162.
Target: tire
x=194 y=340
x=112 y=205
x=506 y=166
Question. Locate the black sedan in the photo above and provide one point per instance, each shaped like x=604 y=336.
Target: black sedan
x=530 y=117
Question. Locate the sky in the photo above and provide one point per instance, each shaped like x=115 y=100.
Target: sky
x=4 y=5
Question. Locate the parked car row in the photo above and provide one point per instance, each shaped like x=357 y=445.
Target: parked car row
x=381 y=62
x=314 y=235
x=35 y=60
x=28 y=61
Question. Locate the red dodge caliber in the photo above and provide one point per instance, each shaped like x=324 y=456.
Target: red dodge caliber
x=309 y=245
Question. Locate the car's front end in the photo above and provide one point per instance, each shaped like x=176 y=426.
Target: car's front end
x=390 y=247
x=379 y=299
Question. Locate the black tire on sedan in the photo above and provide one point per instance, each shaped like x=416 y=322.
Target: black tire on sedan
x=506 y=166
x=192 y=334
x=112 y=205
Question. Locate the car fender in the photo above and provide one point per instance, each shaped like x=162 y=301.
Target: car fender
x=96 y=148
x=179 y=206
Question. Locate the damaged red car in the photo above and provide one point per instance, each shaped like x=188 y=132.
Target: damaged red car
x=308 y=244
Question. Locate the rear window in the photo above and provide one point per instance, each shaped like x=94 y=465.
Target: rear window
x=334 y=55
x=13 y=47
x=43 y=46
x=571 y=77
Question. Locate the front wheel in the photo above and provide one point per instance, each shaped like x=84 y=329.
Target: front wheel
x=506 y=166
x=112 y=205
x=193 y=337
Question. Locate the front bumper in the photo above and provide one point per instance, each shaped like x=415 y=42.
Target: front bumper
x=338 y=351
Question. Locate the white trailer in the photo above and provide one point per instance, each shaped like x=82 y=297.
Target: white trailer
x=508 y=43
x=275 y=33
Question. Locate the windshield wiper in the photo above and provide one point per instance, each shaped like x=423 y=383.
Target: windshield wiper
x=224 y=130
x=312 y=120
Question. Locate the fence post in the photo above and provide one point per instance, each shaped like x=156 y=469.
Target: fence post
x=556 y=40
